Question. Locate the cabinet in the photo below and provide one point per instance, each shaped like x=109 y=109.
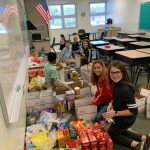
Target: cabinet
x=113 y=31
x=41 y=44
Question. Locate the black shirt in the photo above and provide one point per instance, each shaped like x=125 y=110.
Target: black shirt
x=62 y=46
x=75 y=46
x=123 y=98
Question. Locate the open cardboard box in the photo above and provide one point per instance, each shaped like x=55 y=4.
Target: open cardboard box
x=140 y=101
x=84 y=88
x=145 y=90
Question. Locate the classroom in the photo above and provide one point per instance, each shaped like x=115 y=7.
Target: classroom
x=74 y=74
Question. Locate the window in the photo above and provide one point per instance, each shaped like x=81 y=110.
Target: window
x=97 y=14
x=63 y=16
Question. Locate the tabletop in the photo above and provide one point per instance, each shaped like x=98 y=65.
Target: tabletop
x=111 y=48
x=125 y=40
x=145 y=50
x=133 y=54
x=141 y=43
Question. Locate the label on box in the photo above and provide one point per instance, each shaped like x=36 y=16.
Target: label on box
x=33 y=95
x=93 y=140
x=84 y=140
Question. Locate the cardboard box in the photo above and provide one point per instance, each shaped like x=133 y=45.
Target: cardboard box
x=82 y=102
x=148 y=108
x=85 y=88
x=33 y=95
x=141 y=102
x=84 y=140
x=48 y=99
x=32 y=102
x=87 y=112
x=45 y=93
x=145 y=90
x=93 y=140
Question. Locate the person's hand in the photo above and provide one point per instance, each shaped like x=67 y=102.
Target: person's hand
x=109 y=108
x=109 y=114
x=93 y=101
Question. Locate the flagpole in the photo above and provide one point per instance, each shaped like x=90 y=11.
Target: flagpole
x=49 y=29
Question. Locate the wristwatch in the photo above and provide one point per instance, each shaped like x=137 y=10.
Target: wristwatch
x=116 y=114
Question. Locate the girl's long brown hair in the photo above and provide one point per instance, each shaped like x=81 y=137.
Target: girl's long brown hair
x=89 y=45
x=121 y=66
x=94 y=78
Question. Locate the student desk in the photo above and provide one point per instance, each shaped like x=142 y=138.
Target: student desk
x=124 y=41
x=134 y=58
x=109 y=51
x=98 y=43
x=138 y=45
x=110 y=39
x=137 y=36
x=145 y=50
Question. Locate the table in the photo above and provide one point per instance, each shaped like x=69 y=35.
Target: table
x=141 y=44
x=98 y=43
x=111 y=39
x=124 y=41
x=134 y=58
x=145 y=38
x=145 y=50
x=110 y=51
x=137 y=36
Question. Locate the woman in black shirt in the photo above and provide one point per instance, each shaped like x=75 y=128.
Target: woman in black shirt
x=123 y=110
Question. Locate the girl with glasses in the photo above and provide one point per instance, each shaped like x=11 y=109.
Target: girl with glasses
x=123 y=109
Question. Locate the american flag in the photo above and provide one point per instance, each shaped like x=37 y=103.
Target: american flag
x=42 y=8
x=7 y=12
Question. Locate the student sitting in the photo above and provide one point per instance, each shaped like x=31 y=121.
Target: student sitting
x=51 y=76
x=76 y=46
x=103 y=95
x=67 y=53
x=86 y=49
x=62 y=44
x=123 y=110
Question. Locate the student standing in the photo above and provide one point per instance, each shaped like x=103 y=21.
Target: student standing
x=123 y=109
x=67 y=53
x=103 y=95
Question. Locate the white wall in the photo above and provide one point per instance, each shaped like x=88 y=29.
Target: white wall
x=124 y=13
x=82 y=22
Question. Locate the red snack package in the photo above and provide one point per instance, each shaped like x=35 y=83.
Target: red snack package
x=73 y=144
x=93 y=140
x=84 y=140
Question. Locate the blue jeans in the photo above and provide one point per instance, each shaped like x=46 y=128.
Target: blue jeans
x=100 y=110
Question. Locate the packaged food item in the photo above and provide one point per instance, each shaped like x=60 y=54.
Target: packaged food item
x=60 y=138
x=93 y=140
x=84 y=140
x=77 y=92
x=72 y=131
x=60 y=106
x=70 y=97
x=73 y=144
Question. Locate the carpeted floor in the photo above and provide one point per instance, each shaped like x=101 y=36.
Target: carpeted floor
x=142 y=125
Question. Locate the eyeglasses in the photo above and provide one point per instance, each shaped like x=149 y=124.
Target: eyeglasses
x=115 y=73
